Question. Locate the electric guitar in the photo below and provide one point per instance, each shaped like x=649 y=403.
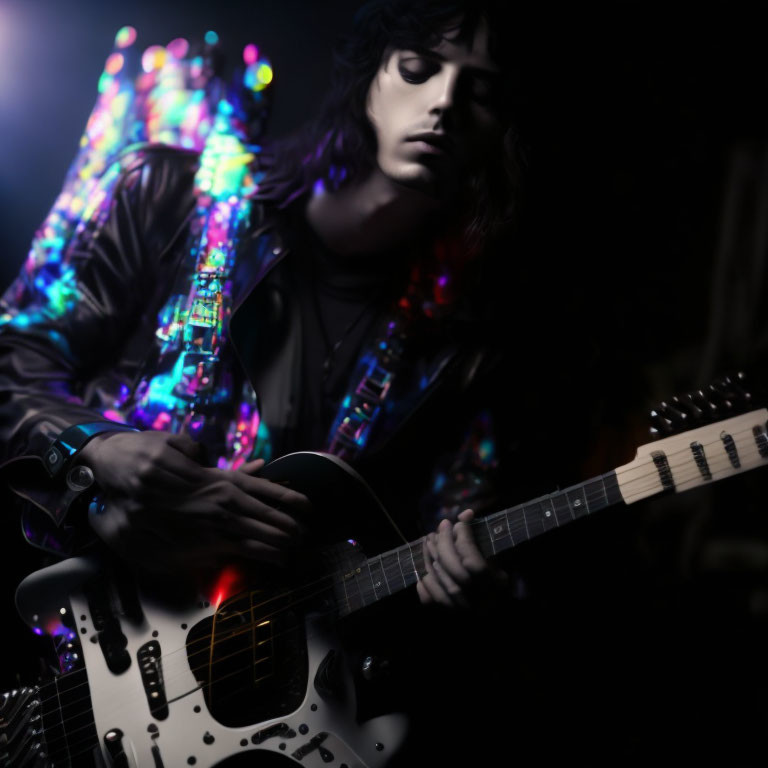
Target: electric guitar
x=155 y=677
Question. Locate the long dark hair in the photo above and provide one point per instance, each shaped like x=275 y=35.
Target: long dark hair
x=340 y=143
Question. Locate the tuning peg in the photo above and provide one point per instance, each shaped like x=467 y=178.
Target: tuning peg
x=661 y=424
x=721 y=398
x=689 y=406
x=674 y=413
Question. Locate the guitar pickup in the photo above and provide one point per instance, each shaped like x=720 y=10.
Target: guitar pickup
x=149 y=657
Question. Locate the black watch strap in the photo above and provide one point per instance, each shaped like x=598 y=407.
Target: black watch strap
x=72 y=439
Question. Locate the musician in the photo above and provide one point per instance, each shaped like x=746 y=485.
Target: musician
x=388 y=212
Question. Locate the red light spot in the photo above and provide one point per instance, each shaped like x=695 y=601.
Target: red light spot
x=228 y=584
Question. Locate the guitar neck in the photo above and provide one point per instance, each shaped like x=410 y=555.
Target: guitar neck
x=675 y=464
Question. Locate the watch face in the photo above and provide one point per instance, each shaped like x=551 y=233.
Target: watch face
x=79 y=478
x=53 y=459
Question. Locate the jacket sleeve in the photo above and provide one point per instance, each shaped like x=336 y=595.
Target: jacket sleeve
x=63 y=320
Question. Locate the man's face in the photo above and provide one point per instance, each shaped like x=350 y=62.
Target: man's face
x=433 y=112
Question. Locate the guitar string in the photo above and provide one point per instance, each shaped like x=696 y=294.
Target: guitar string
x=142 y=696
x=245 y=669
x=229 y=674
x=127 y=704
x=218 y=680
x=481 y=532
x=204 y=639
x=346 y=600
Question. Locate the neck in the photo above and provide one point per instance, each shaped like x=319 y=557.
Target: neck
x=370 y=216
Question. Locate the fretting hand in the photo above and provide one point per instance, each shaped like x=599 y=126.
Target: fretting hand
x=163 y=510
x=457 y=573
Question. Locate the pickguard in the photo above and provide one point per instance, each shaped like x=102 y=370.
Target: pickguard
x=270 y=702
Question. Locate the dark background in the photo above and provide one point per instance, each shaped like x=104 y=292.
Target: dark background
x=646 y=137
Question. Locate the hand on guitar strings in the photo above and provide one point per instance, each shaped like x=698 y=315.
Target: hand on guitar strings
x=457 y=573
x=162 y=510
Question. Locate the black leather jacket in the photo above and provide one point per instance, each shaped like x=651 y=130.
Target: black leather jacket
x=59 y=371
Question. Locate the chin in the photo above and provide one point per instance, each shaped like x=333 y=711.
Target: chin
x=416 y=177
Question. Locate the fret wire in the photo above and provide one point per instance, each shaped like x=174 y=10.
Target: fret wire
x=570 y=503
x=525 y=522
x=388 y=570
x=356 y=583
x=605 y=490
x=562 y=498
x=413 y=560
x=384 y=571
x=347 y=603
x=370 y=575
x=402 y=570
x=490 y=536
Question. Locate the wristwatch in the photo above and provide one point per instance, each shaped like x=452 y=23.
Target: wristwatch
x=59 y=456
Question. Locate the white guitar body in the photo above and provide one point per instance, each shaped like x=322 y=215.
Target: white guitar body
x=169 y=713
x=322 y=731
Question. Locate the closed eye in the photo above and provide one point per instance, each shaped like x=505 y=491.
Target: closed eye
x=416 y=69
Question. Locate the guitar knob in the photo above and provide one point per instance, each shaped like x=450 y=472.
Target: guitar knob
x=373 y=667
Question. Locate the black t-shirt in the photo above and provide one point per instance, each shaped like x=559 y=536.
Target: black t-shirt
x=342 y=299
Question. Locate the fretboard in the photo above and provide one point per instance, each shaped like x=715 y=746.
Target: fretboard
x=698 y=457
x=393 y=571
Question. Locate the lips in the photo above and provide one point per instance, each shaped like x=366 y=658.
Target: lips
x=439 y=142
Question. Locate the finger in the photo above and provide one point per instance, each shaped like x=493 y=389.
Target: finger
x=447 y=554
x=251 y=467
x=430 y=589
x=449 y=586
x=447 y=582
x=241 y=503
x=248 y=528
x=160 y=485
x=471 y=557
x=297 y=502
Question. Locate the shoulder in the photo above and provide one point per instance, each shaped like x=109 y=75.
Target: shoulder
x=154 y=187
x=156 y=168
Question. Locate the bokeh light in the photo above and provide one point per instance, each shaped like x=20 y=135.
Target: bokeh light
x=250 y=54
x=114 y=64
x=178 y=48
x=153 y=58
x=125 y=37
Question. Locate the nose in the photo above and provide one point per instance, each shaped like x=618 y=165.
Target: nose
x=443 y=95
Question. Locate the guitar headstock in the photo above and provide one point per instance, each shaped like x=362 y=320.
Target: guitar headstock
x=724 y=397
